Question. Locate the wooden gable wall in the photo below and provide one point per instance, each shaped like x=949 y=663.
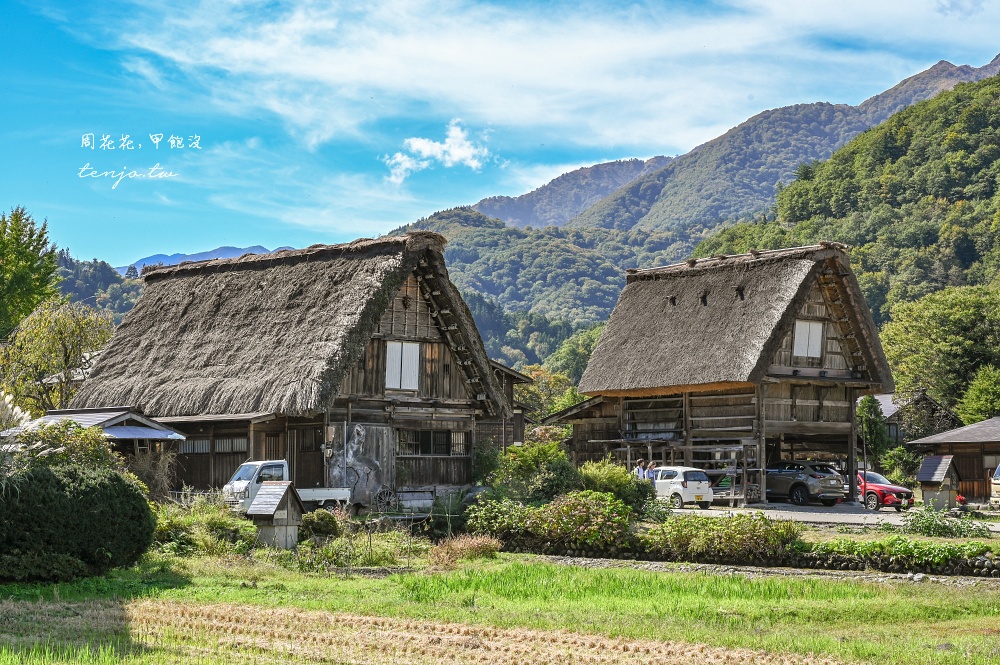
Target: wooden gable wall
x=409 y=319
x=816 y=309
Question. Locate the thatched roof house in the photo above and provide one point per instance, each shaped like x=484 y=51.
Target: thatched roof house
x=719 y=321
x=281 y=354
x=733 y=362
x=271 y=333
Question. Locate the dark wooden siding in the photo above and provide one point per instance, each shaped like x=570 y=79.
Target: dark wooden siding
x=429 y=471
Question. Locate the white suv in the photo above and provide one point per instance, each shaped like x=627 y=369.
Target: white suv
x=683 y=484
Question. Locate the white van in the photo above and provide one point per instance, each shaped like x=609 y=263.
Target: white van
x=681 y=485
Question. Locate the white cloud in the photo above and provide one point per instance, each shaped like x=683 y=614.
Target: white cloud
x=421 y=153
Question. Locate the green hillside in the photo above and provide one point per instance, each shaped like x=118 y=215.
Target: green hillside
x=556 y=202
x=917 y=198
x=734 y=177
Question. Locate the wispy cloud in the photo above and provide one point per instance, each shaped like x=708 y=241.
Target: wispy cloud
x=664 y=76
x=421 y=153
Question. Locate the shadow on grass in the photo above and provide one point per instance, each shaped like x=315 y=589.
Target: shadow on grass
x=84 y=621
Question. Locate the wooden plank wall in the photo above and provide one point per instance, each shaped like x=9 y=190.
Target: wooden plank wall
x=833 y=356
x=806 y=403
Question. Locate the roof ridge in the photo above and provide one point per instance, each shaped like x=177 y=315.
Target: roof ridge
x=721 y=260
x=413 y=241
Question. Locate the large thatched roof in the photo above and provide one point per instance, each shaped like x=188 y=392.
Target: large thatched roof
x=270 y=333
x=719 y=321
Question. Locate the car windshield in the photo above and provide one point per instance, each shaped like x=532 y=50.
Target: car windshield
x=825 y=468
x=996 y=476
x=245 y=472
x=696 y=476
x=872 y=477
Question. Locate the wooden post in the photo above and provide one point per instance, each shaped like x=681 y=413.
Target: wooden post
x=761 y=447
x=686 y=405
x=852 y=447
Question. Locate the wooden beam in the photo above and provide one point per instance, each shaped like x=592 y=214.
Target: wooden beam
x=799 y=427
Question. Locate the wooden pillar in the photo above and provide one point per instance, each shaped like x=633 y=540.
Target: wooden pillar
x=761 y=447
x=852 y=447
x=688 y=454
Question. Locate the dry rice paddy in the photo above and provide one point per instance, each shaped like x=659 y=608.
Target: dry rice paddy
x=164 y=631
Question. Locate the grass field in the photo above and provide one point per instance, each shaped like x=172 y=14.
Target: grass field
x=513 y=610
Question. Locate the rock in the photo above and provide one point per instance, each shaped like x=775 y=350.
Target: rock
x=919 y=577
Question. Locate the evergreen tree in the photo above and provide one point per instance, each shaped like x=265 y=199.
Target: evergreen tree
x=27 y=267
x=982 y=400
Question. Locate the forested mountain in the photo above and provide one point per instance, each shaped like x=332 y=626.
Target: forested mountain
x=98 y=284
x=916 y=197
x=554 y=203
x=734 y=176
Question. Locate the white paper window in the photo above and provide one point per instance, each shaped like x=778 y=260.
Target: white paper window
x=402 y=365
x=808 y=339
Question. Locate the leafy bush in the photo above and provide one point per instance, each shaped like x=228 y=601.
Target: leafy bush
x=536 y=472
x=933 y=523
x=69 y=519
x=320 y=524
x=204 y=526
x=609 y=476
x=900 y=550
x=363 y=549
x=65 y=442
x=466 y=547
x=900 y=466
x=657 y=510
x=504 y=519
x=485 y=459
x=583 y=519
x=749 y=538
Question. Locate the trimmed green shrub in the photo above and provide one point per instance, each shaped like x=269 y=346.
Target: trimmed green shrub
x=369 y=550
x=504 y=519
x=536 y=472
x=900 y=552
x=69 y=519
x=582 y=519
x=609 y=476
x=746 y=538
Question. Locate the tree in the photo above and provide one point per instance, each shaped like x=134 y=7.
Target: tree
x=572 y=356
x=940 y=341
x=27 y=267
x=871 y=425
x=982 y=400
x=132 y=272
x=42 y=362
x=549 y=392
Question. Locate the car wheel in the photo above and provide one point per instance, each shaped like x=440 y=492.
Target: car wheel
x=705 y=505
x=676 y=501
x=899 y=509
x=871 y=501
x=829 y=503
x=799 y=495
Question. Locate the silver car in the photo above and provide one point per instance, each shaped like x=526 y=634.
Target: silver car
x=802 y=482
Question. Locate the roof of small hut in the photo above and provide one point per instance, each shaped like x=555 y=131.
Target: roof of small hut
x=267 y=332
x=717 y=320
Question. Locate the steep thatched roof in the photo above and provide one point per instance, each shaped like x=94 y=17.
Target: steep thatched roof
x=720 y=321
x=270 y=333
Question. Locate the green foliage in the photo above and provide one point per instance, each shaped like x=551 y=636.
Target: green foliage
x=98 y=283
x=547 y=393
x=656 y=510
x=27 y=267
x=536 y=472
x=901 y=551
x=982 y=399
x=900 y=466
x=64 y=443
x=69 y=518
x=41 y=364
x=485 y=459
x=940 y=341
x=933 y=523
x=748 y=538
x=206 y=525
x=613 y=478
x=320 y=524
x=572 y=356
x=500 y=517
x=583 y=519
x=446 y=518
x=871 y=425
x=377 y=549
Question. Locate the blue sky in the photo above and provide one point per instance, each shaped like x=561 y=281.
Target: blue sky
x=325 y=121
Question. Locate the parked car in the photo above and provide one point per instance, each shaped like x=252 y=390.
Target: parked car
x=802 y=482
x=879 y=491
x=681 y=485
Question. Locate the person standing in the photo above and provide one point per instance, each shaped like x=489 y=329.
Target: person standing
x=640 y=469
x=651 y=471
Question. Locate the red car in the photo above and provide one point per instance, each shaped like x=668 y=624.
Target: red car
x=878 y=491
